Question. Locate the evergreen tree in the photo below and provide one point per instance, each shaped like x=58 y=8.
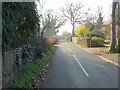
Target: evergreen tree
x=99 y=21
x=20 y=22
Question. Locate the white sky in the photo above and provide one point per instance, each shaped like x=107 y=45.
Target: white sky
x=92 y=4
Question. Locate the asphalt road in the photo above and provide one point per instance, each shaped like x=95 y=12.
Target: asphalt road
x=74 y=67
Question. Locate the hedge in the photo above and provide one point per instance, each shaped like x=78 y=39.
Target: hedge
x=97 y=42
x=84 y=42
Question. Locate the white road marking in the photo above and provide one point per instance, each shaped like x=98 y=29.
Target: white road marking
x=87 y=50
x=81 y=66
x=109 y=61
x=69 y=49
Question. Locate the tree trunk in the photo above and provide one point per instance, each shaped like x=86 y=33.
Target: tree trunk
x=73 y=30
x=112 y=48
x=118 y=38
x=42 y=33
x=119 y=28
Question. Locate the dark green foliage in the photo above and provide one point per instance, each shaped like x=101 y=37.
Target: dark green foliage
x=97 y=34
x=97 y=43
x=20 y=24
x=91 y=35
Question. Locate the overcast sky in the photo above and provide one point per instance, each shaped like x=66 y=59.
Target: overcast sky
x=105 y=6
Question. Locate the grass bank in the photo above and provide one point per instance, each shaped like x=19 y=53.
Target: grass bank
x=30 y=71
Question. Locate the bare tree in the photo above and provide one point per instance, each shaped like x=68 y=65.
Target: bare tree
x=40 y=6
x=73 y=12
x=50 y=24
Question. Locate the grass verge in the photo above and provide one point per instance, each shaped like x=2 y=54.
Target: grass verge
x=30 y=71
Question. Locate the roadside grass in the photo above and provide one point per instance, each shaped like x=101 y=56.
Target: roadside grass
x=30 y=71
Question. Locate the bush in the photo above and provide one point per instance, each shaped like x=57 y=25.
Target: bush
x=50 y=43
x=97 y=42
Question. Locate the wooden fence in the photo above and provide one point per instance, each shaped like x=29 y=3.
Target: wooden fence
x=8 y=67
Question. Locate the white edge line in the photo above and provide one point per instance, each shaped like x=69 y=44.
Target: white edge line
x=107 y=60
x=69 y=49
x=81 y=66
x=83 y=48
x=87 y=50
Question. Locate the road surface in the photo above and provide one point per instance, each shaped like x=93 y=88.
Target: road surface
x=74 y=67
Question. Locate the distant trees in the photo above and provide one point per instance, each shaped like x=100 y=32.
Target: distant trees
x=99 y=22
x=50 y=21
x=90 y=25
x=73 y=12
x=95 y=24
x=66 y=34
x=89 y=22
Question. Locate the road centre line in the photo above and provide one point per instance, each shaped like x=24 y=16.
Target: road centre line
x=81 y=66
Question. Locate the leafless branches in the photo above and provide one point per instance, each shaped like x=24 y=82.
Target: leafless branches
x=50 y=24
x=73 y=12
